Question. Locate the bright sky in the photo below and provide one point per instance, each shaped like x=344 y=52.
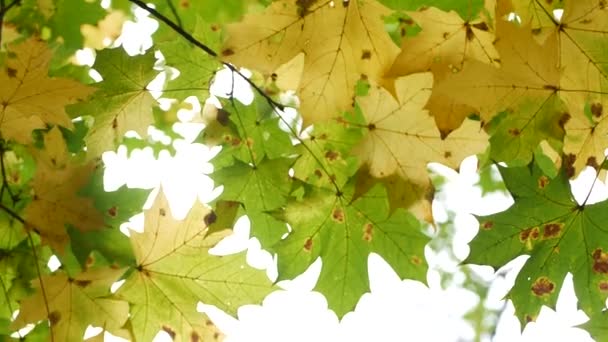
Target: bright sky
x=395 y=310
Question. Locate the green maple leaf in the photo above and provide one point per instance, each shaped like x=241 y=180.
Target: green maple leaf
x=559 y=235
x=261 y=188
x=175 y=271
x=343 y=233
x=122 y=102
x=196 y=67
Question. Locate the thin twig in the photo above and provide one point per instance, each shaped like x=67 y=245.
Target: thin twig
x=5 y=9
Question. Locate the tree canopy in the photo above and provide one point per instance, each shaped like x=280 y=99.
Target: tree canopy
x=382 y=88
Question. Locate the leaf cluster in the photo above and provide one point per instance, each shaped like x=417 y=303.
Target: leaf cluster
x=351 y=101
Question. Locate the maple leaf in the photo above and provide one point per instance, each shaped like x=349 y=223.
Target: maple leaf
x=560 y=236
x=73 y=303
x=261 y=188
x=525 y=87
x=56 y=201
x=122 y=102
x=443 y=46
x=351 y=43
x=175 y=271
x=402 y=138
x=29 y=99
x=343 y=233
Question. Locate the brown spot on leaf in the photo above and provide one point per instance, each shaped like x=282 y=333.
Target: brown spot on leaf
x=332 y=155
x=514 y=132
x=208 y=323
x=415 y=260
x=338 y=215
x=530 y=319
x=564 y=118
x=481 y=26
x=543 y=286
x=569 y=160
x=113 y=211
x=162 y=212
x=227 y=52
x=210 y=218
x=528 y=234
x=223 y=117
x=603 y=285
x=536 y=31
x=371 y=127
x=169 y=331
x=235 y=141
x=368 y=230
x=600 y=261
x=114 y=123
x=469 y=31
x=318 y=173
x=216 y=335
x=82 y=283
x=597 y=109
x=543 y=181
x=12 y=73
x=445 y=35
x=366 y=54
x=447 y=154
x=308 y=245
x=194 y=337
x=54 y=317
x=552 y=230
x=592 y=161
x=487 y=225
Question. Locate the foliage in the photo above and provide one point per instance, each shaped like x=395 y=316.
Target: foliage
x=382 y=88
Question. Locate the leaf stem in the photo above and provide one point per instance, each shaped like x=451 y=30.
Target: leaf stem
x=174 y=11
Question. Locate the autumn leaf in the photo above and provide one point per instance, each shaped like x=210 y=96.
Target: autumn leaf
x=560 y=236
x=525 y=88
x=29 y=99
x=402 y=138
x=351 y=45
x=74 y=303
x=175 y=271
x=122 y=103
x=343 y=233
x=55 y=201
x=444 y=45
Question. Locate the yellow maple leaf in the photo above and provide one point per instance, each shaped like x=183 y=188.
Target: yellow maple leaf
x=29 y=99
x=525 y=88
x=403 y=137
x=74 y=303
x=56 y=201
x=175 y=271
x=584 y=81
x=444 y=44
x=341 y=41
